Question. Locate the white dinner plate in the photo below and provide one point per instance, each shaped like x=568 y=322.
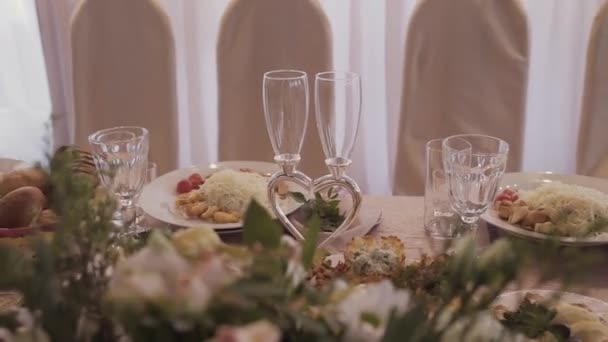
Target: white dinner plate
x=158 y=197
x=512 y=300
x=531 y=180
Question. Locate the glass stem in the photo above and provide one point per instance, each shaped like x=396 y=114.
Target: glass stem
x=469 y=219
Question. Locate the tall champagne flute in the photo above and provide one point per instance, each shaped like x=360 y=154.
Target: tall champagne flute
x=338 y=112
x=121 y=158
x=285 y=97
x=474 y=165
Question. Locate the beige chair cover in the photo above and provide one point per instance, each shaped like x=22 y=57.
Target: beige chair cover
x=592 y=155
x=124 y=73
x=259 y=36
x=466 y=72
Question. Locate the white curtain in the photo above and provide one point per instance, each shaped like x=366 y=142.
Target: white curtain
x=24 y=93
x=369 y=38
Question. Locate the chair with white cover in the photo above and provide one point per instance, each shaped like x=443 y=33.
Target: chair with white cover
x=466 y=72
x=256 y=37
x=124 y=73
x=592 y=149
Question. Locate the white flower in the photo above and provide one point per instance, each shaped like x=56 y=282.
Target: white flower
x=295 y=269
x=196 y=287
x=260 y=331
x=35 y=335
x=149 y=273
x=194 y=295
x=28 y=330
x=6 y=335
x=369 y=301
x=193 y=242
x=158 y=274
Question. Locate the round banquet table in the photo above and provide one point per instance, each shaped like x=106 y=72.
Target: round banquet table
x=403 y=216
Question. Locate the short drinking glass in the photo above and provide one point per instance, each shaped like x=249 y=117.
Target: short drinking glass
x=474 y=165
x=440 y=221
x=121 y=158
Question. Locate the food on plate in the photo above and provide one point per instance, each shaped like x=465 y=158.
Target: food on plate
x=366 y=259
x=46 y=218
x=556 y=209
x=223 y=196
x=196 y=180
x=375 y=256
x=184 y=186
x=20 y=207
x=546 y=319
x=24 y=177
x=23 y=192
x=373 y=259
x=9 y=301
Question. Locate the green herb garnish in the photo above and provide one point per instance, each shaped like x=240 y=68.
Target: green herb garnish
x=326 y=208
x=530 y=319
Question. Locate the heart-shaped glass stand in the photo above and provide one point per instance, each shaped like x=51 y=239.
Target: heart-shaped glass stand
x=321 y=185
x=287 y=174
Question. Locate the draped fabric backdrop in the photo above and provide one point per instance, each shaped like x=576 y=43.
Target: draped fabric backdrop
x=368 y=37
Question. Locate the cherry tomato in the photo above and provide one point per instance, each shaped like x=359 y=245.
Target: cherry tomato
x=507 y=195
x=196 y=179
x=184 y=186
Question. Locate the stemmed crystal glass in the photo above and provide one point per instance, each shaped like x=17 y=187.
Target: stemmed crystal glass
x=285 y=97
x=474 y=165
x=121 y=158
x=151 y=174
x=338 y=112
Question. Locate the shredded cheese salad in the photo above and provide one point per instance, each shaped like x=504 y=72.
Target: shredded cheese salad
x=574 y=210
x=555 y=208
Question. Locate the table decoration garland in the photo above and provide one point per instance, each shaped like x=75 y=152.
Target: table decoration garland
x=87 y=284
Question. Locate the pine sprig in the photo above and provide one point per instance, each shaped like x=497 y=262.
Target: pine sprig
x=66 y=278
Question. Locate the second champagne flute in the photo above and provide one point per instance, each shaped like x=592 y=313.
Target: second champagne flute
x=338 y=112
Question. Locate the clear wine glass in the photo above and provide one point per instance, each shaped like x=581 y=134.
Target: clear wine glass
x=285 y=98
x=285 y=94
x=474 y=165
x=121 y=158
x=141 y=218
x=338 y=112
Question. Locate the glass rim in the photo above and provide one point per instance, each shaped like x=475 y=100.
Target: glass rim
x=501 y=143
x=94 y=137
x=344 y=75
x=434 y=141
x=296 y=74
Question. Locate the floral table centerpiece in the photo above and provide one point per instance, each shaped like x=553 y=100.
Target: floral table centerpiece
x=87 y=284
